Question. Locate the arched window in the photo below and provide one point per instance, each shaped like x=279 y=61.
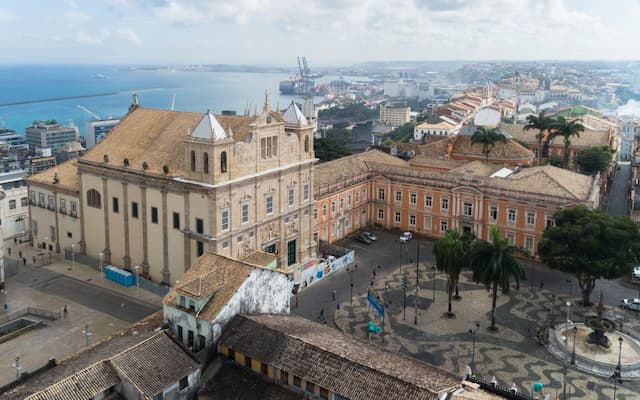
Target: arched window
x=93 y=198
x=193 y=161
x=306 y=144
x=205 y=163
x=223 y=161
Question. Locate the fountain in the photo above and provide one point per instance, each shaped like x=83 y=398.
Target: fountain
x=588 y=346
x=599 y=325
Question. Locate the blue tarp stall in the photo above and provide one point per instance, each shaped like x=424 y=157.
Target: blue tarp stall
x=119 y=276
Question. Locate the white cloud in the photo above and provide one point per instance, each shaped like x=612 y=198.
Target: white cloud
x=76 y=16
x=7 y=16
x=129 y=36
x=88 y=39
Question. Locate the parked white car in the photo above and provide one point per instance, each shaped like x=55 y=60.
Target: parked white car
x=635 y=275
x=631 y=304
x=405 y=237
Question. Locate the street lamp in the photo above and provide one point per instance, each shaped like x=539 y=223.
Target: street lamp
x=566 y=352
x=137 y=267
x=101 y=264
x=73 y=256
x=473 y=347
x=568 y=281
x=573 y=354
x=617 y=374
x=17 y=366
x=351 y=271
x=433 y=269
x=86 y=332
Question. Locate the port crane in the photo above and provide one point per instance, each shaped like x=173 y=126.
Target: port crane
x=85 y=109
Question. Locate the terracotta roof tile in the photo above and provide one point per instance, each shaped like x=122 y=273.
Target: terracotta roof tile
x=67 y=174
x=334 y=360
x=155 y=364
x=588 y=138
x=511 y=150
x=348 y=167
x=85 y=384
x=211 y=275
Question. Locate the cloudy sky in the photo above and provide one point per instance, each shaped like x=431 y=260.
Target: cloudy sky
x=329 y=32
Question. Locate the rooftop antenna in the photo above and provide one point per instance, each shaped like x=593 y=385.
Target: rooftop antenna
x=173 y=102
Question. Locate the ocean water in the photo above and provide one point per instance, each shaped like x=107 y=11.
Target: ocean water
x=111 y=96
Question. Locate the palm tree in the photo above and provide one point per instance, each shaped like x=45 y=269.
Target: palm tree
x=488 y=137
x=567 y=129
x=540 y=123
x=452 y=255
x=494 y=264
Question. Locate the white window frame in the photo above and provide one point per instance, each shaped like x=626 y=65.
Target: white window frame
x=381 y=194
x=413 y=198
x=380 y=214
x=444 y=203
x=533 y=243
x=291 y=197
x=532 y=221
x=397 y=218
x=398 y=196
x=305 y=192
x=510 y=212
x=269 y=205
x=491 y=216
x=225 y=220
x=245 y=213
x=444 y=225
x=412 y=220
x=467 y=209
x=428 y=201
x=428 y=223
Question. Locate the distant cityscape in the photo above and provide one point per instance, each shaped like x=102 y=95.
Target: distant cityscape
x=337 y=246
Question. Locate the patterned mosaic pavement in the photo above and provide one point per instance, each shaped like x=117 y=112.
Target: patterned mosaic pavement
x=512 y=354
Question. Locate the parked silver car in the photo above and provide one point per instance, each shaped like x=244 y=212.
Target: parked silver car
x=631 y=304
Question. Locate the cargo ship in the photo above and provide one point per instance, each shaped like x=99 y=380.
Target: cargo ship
x=301 y=84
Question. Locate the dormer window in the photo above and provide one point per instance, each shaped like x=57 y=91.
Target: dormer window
x=192 y=305
x=181 y=301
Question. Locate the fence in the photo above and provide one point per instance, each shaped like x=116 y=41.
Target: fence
x=499 y=389
x=38 y=312
x=152 y=286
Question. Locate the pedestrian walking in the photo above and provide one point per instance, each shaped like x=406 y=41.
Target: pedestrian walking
x=374 y=273
x=65 y=312
x=24 y=261
x=321 y=317
x=541 y=284
x=333 y=295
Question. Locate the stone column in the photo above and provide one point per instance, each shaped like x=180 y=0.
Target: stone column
x=145 y=238
x=83 y=243
x=105 y=210
x=55 y=211
x=187 y=241
x=166 y=276
x=125 y=210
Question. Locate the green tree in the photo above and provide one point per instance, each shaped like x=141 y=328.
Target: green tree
x=541 y=123
x=593 y=159
x=555 y=160
x=328 y=149
x=567 y=129
x=494 y=264
x=590 y=245
x=452 y=256
x=488 y=137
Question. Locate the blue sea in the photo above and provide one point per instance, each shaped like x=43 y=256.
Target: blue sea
x=108 y=90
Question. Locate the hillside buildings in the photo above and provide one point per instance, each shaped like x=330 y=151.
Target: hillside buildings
x=165 y=186
x=394 y=116
x=49 y=134
x=433 y=195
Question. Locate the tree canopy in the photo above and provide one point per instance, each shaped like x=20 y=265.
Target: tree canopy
x=452 y=256
x=334 y=145
x=494 y=265
x=567 y=128
x=593 y=159
x=590 y=245
x=541 y=123
x=488 y=137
